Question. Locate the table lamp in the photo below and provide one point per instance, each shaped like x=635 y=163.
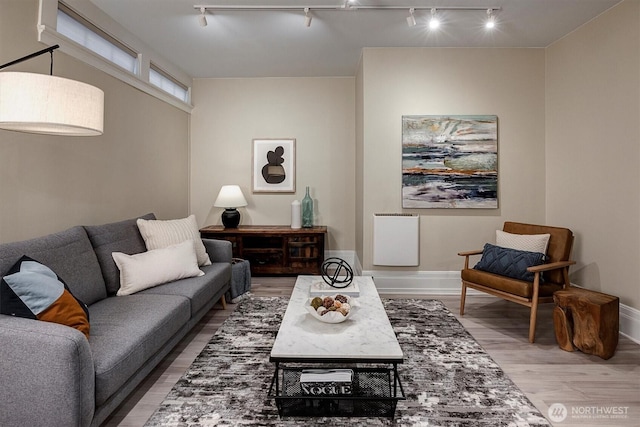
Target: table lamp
x=230 y=197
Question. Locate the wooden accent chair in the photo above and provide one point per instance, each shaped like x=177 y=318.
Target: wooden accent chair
x=529 y=294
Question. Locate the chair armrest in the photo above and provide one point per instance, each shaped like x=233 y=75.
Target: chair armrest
x=551 y=266
x=469 y=253
x=47 y=374
x=218 y=250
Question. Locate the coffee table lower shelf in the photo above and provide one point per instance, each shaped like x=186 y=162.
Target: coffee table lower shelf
x=375 y=392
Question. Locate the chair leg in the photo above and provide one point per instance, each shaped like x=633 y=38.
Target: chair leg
x=463 y=296
x=532 y=322
x=534 y=308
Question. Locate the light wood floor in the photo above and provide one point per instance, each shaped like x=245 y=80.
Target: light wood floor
x=585 y=384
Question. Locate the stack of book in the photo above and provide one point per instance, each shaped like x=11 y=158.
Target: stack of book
x=326 y=382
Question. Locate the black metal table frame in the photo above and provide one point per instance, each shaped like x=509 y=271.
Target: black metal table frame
x=274 y=389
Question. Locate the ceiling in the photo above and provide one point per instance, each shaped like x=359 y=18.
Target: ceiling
x=278 y=44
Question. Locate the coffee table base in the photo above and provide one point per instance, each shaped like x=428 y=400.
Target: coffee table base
x=375 y=392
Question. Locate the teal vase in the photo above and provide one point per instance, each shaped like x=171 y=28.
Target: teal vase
x=307 y=211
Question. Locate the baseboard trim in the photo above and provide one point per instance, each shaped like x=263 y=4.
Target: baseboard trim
x=630 y=322
x=448 y=283
x=416 y=282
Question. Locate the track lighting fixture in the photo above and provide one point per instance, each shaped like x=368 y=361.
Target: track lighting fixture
x=411 y=20
x=343 y=6
x=434 y=22
x=307 y=17
x=202 y=18
x=491 y=20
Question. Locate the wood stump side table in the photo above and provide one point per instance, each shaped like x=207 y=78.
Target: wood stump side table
x=586 y=320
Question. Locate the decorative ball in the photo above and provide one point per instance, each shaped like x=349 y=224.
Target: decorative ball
x=321 y=310
x=328 y=302
x=341 y=298
x=316 y=302
x=336 y=272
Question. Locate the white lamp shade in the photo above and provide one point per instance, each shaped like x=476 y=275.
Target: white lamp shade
x=40 y=103
x=230 y=196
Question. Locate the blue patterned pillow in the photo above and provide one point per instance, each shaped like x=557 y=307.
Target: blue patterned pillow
x=509 y=262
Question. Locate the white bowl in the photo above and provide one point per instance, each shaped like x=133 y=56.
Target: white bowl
x=333 y=316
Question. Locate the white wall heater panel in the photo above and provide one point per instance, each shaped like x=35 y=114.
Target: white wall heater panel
x=396 y=239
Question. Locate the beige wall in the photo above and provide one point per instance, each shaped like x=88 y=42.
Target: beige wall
x=49 y=183
x=593 y=149
x=506 y=82
x=317 y=112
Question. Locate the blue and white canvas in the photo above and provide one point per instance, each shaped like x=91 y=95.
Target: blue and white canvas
x=450 y=162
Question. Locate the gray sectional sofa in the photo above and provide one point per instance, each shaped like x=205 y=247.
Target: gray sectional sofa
x=50 y=374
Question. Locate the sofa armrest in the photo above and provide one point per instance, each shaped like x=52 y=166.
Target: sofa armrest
x=218 y=250
x=47 y=374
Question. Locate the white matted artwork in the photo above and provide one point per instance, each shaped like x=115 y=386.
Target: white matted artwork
x=274 y=165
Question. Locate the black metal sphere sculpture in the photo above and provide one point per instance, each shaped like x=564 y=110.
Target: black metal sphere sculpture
x=341 y=274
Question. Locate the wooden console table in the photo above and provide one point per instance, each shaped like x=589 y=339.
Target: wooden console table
x=274 y=249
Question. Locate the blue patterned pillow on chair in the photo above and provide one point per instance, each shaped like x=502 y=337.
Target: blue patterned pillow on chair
x=509 y=262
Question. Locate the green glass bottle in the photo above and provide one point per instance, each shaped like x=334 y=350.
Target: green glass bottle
x=307 y=211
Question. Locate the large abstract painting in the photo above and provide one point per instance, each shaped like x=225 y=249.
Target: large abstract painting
x=450 y=162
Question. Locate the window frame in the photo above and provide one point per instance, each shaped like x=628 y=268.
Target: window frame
x=48 y=34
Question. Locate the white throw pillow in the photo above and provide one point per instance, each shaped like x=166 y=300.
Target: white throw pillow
x=155 y=267
x=523 y=242
x=159 y=234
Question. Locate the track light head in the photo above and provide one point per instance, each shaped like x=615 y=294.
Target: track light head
x=434 y=22
x=346 y=4
x=307 y=18
x=202 y=19
x=411 y=20
x=491 y=20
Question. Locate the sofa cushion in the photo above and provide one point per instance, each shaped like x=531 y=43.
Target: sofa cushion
x=152 y=268
x=159 y=234
x=523 y=242
x=69 y=253
x=122 y=236
x=32 y=290
x=127 y=331
x=198 y=290
x=509 y=262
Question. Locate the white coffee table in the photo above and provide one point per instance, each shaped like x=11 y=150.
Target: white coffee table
x=365 y=343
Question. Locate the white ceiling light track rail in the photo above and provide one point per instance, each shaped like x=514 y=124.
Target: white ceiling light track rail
x=339 y=8
x=346 y=6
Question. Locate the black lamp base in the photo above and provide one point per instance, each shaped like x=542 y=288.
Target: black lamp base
x=231 y=218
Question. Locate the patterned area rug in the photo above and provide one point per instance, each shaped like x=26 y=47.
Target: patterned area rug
x=448 y=379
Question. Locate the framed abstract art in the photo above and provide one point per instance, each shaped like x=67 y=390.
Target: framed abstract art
x=274 y=165
x=450 y=162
